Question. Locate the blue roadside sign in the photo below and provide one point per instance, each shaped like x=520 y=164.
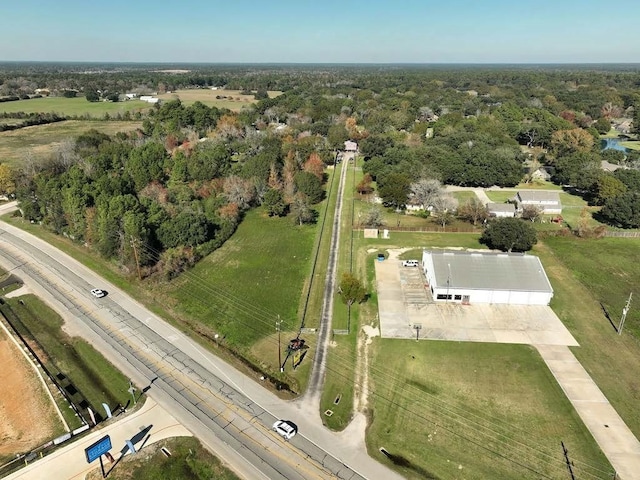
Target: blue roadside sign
x=98 y=448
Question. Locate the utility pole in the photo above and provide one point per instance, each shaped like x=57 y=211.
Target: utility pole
x=566 y=458
x=135 y=255
x=132 y=391
x=625 y=310
x=279 y=344
x=448 y=282
x=417 y=327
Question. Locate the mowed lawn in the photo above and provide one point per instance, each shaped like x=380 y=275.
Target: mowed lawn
x=41 y=140
x=474 y=411
x=240 y=289
x=500 y=196
x=231 y=99
x=188 y=460
x=573 y=206
x=592 y=279
x=78 y=106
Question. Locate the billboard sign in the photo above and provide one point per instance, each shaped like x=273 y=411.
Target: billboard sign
x=100 y=447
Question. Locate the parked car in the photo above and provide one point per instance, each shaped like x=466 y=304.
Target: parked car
x=410 y=263
x=285 y=428
x=96 y=292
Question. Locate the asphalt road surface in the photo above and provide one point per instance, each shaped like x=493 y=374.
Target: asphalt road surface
x=230 y=413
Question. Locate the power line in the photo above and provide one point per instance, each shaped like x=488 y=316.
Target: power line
x=256 y=313
x=487 y=433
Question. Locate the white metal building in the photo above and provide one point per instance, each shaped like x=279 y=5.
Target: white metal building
x=501 y=209
x=548 y=202
x=486 y=277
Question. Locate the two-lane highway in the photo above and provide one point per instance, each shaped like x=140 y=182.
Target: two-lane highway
x=230 y=413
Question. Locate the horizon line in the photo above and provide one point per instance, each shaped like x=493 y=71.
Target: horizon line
x=169 y=62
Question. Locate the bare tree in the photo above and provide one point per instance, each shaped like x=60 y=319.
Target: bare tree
x=445 y=203
x=30 y=164
x=66 y=153
x=531 y=137
x=532 y=167
x=372 y=217
x=301 y=209
x=444 y=207
x=531 y=212
x=609 y=111
x=426 y=114
x=239 y=191
x=426 y=192
x=473 y=210
x=445 y=218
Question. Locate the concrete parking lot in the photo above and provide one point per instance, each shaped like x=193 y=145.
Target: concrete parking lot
x=404 y=302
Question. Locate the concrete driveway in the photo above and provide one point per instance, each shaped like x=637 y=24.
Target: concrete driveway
x=404 y=302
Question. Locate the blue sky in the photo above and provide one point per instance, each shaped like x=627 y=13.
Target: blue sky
x=312 y=31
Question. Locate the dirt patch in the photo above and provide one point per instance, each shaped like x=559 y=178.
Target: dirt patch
x=27 y=418
x=361 y=389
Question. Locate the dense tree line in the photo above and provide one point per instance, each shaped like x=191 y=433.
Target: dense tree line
x=30 y=120
x=473 y=126
x=164 y=198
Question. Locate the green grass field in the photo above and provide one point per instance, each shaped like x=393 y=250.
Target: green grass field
x=189 y=460
x=537 y=185
x=41 y=141
x=631 y=145
x=240 y=289
x=500 y=196
x=591 y=277
x=463 y=196
x=574 y=207
x=78 y=106
x=231 y=99
x=88 y=370
x=473 y=411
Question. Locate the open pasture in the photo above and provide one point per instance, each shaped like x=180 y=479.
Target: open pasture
x=71 y=107
x=40 y=141
x=231 y=99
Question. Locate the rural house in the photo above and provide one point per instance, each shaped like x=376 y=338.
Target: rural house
x=350 y=146
x=547 y=202
x=501 y=210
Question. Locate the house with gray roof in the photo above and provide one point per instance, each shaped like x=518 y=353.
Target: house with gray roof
x=486 y=277
x=547 y=202
x=501 y=210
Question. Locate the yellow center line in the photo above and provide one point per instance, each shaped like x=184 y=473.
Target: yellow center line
x=305 y=463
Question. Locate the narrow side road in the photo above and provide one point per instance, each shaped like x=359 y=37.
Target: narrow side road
x=311 y=399
x=230 y=413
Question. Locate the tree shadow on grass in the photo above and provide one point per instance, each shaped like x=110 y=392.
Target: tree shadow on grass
x=403 y=462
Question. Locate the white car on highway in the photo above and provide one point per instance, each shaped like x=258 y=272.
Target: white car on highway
x=285 y=429
x=96 y=292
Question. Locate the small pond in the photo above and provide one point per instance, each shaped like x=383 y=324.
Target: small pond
x=613 y=144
